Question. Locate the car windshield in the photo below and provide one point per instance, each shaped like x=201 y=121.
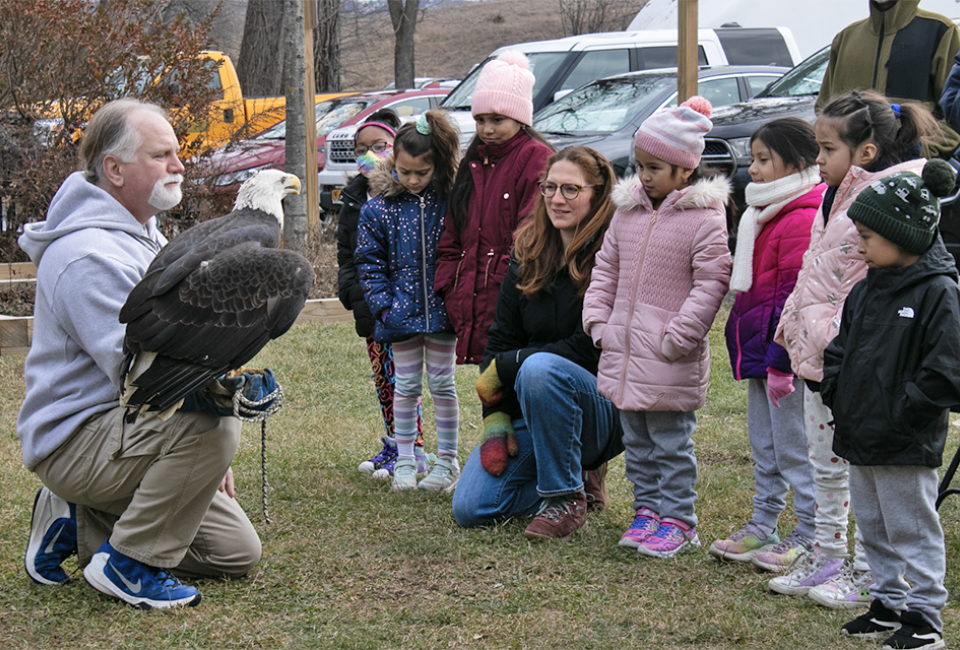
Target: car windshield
x=330 y=114
x=542 y=65
x=805 y=79
x=603 y=106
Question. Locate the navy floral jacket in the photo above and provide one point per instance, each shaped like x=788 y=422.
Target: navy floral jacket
x=396 y=254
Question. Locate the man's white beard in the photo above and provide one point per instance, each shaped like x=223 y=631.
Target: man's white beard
x=163 y=198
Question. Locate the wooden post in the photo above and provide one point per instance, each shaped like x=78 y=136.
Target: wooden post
x=310 y=22
x=687 y=49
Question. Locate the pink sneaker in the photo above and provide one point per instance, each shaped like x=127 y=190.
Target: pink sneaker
x=644 y=525
x=671 y=538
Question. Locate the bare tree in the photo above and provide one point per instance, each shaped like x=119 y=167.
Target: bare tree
x=260 y=66
x=589 y=16
x=227 y=27
x=295 y=207
x=326 y=47
x=403 y=15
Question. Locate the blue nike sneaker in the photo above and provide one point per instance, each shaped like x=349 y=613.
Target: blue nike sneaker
x=53 y=538
x=144 y=587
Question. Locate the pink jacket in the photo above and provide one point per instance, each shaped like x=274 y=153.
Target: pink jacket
x=658 y=282
x=831 y=266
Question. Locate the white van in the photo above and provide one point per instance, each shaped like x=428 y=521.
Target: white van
x=564 y=64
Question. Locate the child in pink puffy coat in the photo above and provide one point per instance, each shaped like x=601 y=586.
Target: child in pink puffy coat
x=658 y=282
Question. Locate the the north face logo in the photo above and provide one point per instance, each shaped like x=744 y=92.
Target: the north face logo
x=906 y=312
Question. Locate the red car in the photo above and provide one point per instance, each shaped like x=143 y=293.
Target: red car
x=232 y=164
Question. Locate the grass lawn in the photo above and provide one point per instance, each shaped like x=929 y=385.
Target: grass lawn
x=347 y=564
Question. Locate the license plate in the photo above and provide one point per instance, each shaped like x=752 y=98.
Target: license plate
x=335 y=195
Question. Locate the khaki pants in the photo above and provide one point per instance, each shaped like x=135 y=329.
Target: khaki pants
x=151 y=488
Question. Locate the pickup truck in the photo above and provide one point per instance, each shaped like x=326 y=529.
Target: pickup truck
x=233 y=113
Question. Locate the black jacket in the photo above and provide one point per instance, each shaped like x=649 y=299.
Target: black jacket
x=893 y=371
x=550 y=322
x=350 y=292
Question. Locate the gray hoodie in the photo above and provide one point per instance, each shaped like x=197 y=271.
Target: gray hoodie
x=90 y=252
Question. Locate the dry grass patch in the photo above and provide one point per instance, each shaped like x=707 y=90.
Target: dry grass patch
x=349 y=565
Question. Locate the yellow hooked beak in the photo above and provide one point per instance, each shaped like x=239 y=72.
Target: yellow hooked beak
x=291 y=184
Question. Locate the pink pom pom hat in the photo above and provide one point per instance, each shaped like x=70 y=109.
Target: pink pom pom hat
x=675 y=135
x=505 y=87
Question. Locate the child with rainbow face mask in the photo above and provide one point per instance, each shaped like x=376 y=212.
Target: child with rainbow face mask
x=373 y=142
x=372 y=154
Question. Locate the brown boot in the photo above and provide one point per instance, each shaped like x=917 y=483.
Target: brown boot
x=596 y=488
x=559 y=517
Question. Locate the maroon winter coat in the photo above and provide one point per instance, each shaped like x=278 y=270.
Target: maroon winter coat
x=472 y=263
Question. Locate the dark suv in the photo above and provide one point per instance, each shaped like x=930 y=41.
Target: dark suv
x=794 y=94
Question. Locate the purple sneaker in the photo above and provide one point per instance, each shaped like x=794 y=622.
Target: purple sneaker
x=386 y=455
x=644 y=525
x=807 y=572
x=672 y=538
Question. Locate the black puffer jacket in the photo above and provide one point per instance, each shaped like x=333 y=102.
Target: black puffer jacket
x=350 y=292
x=893 y=371
x=550 y=322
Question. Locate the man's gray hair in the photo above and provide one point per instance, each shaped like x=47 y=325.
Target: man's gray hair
x=110 y=134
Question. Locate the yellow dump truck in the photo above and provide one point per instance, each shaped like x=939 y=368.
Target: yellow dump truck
x=234 y=113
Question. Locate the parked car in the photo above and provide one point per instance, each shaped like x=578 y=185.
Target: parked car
x=338 y=144
x=233 y=164
x=422 y=82
x=605 y=114
x=564 y=64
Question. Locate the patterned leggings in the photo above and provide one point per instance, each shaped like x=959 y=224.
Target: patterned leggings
x=381 y=363
x=438 y=353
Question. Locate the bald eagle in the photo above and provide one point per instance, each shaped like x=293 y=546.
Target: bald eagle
x=212 y=299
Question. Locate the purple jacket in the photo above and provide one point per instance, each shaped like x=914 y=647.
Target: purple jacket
x=778 y=254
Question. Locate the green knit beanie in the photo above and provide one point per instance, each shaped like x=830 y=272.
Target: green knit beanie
x=904 y=208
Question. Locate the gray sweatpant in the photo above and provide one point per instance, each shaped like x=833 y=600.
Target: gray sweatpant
x=151 y=488
x=896 y=512
x=779 y=443
x=660 y=461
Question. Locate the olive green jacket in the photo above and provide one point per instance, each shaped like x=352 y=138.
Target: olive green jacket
x=905 y=52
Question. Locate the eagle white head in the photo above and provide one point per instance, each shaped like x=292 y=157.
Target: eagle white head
x=265 y=191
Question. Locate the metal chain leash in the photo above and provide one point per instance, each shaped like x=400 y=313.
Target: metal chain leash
x=246 y=411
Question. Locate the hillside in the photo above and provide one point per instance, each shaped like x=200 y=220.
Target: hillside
x=450 y=40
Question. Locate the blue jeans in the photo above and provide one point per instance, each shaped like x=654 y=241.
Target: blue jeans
x=566 y=424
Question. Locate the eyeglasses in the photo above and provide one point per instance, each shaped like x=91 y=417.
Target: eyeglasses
x=376 y=147
x=568 y=190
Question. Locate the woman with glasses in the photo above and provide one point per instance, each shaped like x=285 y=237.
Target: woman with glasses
x=545 y=421
x=373 y=142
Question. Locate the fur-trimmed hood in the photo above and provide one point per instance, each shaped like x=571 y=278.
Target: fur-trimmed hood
x=384 y=183
x=714 y=192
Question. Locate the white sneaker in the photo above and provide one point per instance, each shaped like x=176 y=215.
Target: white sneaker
x=849 y=590
x=444 y=476
x=807 y=572
x=404 y=475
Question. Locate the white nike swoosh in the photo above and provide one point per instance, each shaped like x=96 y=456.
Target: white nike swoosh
x=53 y=541
x=135 y=588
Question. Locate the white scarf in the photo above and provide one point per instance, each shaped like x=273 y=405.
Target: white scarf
x=765 y=201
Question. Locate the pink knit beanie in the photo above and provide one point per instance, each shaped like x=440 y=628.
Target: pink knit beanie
x=675 y=135
x=505 y=87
